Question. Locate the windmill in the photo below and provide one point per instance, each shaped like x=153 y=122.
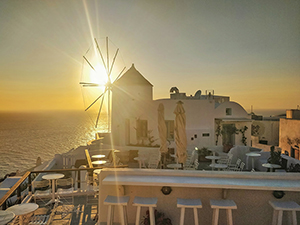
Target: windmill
x=108 y=69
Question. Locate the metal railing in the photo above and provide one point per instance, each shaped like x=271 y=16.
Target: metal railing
x=27 y=177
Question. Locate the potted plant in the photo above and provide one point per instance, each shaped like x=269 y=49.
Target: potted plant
x=275 y=156
x=202 y=153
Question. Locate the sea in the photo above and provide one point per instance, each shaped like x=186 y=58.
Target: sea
x=25 y=136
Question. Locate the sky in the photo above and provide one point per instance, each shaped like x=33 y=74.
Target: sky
x=246 y=49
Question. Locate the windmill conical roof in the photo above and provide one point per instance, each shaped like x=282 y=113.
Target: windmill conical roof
x=132 y=77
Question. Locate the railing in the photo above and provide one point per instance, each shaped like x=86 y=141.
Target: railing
x=28 y=177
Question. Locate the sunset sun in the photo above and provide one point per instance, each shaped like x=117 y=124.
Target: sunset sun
x=99 y=75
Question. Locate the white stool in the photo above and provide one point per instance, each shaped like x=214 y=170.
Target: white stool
x=144 y=202
x=112 y=201
x=279 y=207
x=216 y=205
x=189 y=203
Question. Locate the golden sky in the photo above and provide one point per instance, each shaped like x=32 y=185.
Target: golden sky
x=248 y=50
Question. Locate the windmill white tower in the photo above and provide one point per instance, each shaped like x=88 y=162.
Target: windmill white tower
x=108 y=70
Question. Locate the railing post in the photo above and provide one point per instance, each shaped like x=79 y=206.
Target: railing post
x=29 y=184
x=19 y=200
x=78 y=184
x=4 y=206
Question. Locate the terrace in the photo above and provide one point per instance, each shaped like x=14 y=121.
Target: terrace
x=85 y=205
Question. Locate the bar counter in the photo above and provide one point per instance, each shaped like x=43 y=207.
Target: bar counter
x=250 y=190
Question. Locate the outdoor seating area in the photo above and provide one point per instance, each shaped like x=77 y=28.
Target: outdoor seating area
x=62 y=196
x=61 y=204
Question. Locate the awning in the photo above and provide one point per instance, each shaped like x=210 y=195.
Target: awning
x=235 y=119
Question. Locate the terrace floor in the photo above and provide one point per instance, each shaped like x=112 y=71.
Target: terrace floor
x=80 y=210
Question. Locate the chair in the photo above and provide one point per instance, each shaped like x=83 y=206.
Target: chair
x=65 y=186
x=39 y=219
x=242 y=165
x=113 y=201
x=41 y=189
x=65 y=189
x=234 y=167
x=189 y=203
x=189 y=163
x=216 y=205
x=40 y=216
x=193 y=166
x=280 y=206
x=114 y=161
x=154 y=160
x=226 y=160
x=145 y=202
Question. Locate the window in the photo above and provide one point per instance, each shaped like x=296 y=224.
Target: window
x=141 y=129
x=170 y=130
x=205 y=134
x=228 y=111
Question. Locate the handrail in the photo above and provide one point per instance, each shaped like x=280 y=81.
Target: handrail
x=77 y=169
x=14 y=188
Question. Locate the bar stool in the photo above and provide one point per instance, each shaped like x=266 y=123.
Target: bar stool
x=144 y=202
x=279 y=207
x=216 y=205
x=189 y=203
x=113 y=201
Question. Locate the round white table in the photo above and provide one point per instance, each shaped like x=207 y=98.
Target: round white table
x=212 y=150
x=53 y=177
x=252 y=155
x=141 y=160
x=6 y=216
x=98 y=156
x=213 y=159
x=22 y=209
x=272 y=167
x=174 y=166
x=218 y=166
x=99 y=162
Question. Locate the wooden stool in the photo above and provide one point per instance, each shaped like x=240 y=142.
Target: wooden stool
x=216 y=205
x=112 y=201
x=279 y=207
x=189 y=203
x=144 y=202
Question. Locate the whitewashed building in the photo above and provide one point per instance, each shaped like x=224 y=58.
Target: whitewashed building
x=134 y=115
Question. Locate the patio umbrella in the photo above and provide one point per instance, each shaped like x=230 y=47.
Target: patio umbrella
x=162 y=130
x=180 y=133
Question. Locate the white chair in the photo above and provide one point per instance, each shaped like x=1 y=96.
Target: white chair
x=65 y=190
x=41 y=189
x=234 y=167
x=189 y=163
x=113 y=201
x=145 y=202
x=154 y=160
x=228 y=205
x=280 y=206
x=242 y=165
x=189 y=203
x=193 y=166
x=65 y=186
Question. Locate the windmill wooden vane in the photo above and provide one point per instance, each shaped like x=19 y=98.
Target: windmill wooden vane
x=108 y=85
